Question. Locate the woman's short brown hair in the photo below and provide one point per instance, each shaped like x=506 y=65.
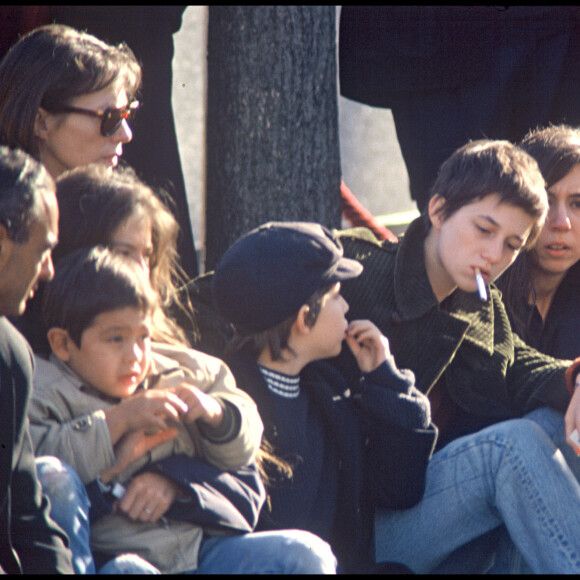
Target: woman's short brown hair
x=486 y=167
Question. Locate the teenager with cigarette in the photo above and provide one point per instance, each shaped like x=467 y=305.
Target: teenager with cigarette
x=493 y=467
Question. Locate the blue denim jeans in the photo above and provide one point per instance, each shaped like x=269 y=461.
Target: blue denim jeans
x=276 y=552
x=69 y=508
x=495 y=552
x=279 y=552
x=510 y=474
x=552 y=422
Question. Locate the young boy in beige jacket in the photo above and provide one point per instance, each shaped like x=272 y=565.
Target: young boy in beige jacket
x=110 y=404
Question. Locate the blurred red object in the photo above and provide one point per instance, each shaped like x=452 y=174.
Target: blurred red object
x=358 y=215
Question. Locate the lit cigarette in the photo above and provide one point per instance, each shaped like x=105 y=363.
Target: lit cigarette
x=480 y=285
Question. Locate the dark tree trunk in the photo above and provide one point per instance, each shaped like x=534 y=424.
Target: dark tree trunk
x=272 y=120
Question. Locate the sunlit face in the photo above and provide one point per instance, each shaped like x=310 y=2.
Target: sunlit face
x=485 y=234
x=134 y=238
x=68 y=140
x=23 y=265
x=115 y=352
x=558 y=246
x=330 y=327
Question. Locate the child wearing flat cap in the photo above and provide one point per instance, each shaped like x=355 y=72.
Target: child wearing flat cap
x=350 y=447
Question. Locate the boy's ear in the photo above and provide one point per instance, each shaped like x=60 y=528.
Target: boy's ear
x=436 y=204
x=300 y=323
x=60 y=340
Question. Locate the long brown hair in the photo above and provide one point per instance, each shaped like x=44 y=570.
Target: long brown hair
x=556 y=149
x=93 y=203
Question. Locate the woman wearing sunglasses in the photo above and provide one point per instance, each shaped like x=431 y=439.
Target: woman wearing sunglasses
x=67 y=98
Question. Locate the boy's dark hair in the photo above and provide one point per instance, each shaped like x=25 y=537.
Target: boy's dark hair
x=486 y=167
x=276 y=338
x=23 y=181
x=92 y=281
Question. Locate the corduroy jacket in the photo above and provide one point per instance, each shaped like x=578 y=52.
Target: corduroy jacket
x=490 y=373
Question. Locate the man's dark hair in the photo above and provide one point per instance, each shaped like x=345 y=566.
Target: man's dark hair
x=23 y=181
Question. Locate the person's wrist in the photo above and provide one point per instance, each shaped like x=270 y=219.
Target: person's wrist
x=215 y=414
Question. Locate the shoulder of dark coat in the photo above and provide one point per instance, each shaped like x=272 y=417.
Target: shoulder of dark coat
x=15 y=352
x=365 y=235
x=323 y=371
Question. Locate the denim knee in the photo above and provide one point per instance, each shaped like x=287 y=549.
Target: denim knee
x=128 y=564
x=69 y=508
x=308 y=553
x=60 y=482
x=550 y=420
x=523 y=433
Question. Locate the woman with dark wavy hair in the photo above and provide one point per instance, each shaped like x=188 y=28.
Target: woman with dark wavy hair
x=66 y=97
x=541 y=288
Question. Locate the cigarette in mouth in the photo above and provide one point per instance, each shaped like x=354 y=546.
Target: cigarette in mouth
x=482 y=290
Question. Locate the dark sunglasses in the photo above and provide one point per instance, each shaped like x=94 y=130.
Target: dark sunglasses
x=111 y=119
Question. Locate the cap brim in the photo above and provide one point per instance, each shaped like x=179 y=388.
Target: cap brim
x=347 y=269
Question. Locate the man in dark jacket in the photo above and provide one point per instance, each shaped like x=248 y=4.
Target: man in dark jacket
x=454 y=73
x=30 y=542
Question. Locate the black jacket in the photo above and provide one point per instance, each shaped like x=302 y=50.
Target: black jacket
x=30 y=542
x=391 y=50
x=379 y=463
x=558 y=335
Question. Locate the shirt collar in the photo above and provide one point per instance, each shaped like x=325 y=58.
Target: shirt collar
x=414 y=296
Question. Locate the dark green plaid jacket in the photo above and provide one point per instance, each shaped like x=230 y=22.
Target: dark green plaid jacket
x=489 y=371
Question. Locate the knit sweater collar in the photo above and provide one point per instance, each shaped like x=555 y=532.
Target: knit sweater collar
x=286 y=386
